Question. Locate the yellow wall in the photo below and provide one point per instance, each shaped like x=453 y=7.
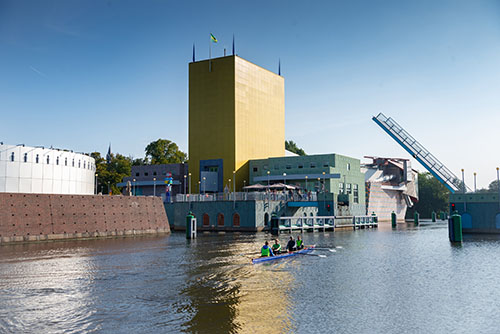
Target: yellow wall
x=236 y=113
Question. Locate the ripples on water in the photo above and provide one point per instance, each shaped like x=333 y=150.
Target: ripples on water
x=379 y=281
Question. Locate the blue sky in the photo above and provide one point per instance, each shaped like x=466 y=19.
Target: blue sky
x=81 y=74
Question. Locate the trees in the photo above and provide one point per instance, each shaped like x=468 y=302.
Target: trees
x=433 y=196
x=109 y=174
x=164 y=151
x=291 y=146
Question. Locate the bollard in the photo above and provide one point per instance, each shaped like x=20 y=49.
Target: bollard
x=275 y=225
x=393 y=219
x=455 y=227
x=416 y=218
x=441 y=215
x=190 y=226
x=375 y=218
x=433 y=217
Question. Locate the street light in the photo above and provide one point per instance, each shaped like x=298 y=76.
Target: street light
x=268 y=173
x=134 y=185
x=204 y=185
x=109 y=188
x=324 y=191
x=96 y=175
x=234 y=189
x=306 y=181
x=154 y=186
x=284 y=178
x=185 y=177
x=474 y=181
x=189 y=183
x=229 y=189
x=199 y=187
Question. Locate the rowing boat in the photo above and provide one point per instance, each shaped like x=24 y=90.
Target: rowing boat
x=306 y=250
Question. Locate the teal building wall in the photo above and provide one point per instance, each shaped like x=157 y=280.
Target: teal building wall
x=480 y=211
x=350 y=181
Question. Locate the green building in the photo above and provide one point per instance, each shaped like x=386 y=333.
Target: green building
x=336 y=179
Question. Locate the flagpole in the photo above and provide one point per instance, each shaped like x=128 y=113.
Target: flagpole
x=210 y=54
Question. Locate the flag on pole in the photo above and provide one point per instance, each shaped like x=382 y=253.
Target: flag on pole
x=212 y=37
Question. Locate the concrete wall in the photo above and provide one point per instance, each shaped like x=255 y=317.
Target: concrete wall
x=252 y=214
x=37 y=217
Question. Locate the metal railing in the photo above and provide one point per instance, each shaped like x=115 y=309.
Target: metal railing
x=245 y=196
x=410 y=144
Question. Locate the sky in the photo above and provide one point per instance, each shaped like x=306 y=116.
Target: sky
x=83 y=74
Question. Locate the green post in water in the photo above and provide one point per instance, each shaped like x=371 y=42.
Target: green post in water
x=433 y=217
x=455 y=227
x=416 y=218
x=393 y=219
x=188 y=224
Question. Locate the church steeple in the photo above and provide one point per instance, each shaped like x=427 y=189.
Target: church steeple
x=108 y=156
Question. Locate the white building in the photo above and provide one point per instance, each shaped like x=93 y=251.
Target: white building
x=40 y=170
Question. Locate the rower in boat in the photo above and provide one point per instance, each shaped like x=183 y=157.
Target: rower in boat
x=300 y=244
x=276 y=247
x=290 y=246
x=266 y=250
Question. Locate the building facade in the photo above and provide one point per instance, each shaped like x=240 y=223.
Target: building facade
x=149 y=180
x=391 y=186
x=236 y=113
x=39 y=170
x=337 y=179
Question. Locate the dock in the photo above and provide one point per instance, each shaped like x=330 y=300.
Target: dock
x=323 y=223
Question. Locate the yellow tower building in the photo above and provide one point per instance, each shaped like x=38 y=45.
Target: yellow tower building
x=236 y=113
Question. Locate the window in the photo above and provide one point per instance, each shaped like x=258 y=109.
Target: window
x=301 y=166
x=276 y=167
x=84 y=164
x=206 y=219
x=348 y=188
x=341 y=188
x=12 y=156
x=73 y=163
x=57 y=161
x=356 y=193
x=313 y=165
x=154 y=173
x=37 y=158
x=48 y=159
x=220 y=219
x=236 y=220
x=65 y=161
x=146 y=174
x=255 y=169
x=25 y=157
x=136 y=174
x=288 y=166
x=326 y=164
x=348 y=166
x=79 y=164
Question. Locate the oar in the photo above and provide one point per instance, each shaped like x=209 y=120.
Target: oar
x=318 y=255
x=326 y=249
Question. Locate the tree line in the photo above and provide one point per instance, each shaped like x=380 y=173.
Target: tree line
x=109 y=174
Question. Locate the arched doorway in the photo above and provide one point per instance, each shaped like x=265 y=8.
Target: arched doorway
x=220 y=219
x=266 y=219
x=206 y=219
x=236 y=220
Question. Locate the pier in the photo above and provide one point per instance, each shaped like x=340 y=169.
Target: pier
x=321 y=223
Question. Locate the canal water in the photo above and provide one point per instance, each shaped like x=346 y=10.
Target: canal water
x=408 y=280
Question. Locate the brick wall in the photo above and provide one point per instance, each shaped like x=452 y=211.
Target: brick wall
x=36 y=217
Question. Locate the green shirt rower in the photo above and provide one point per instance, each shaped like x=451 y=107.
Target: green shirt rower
x=276 y=247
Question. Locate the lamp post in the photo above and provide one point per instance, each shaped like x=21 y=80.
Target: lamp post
x=154 y=186
x=498 y=185
x=204 y=185
x=199 y=187
x=474 y=181
x=234 y=189
x=185 y=179
x=463 y=181
x=324 y=191
x=306 y=181
x=109 y=188
x=96 y=175
x=284 y=178
x=268 y=175
x=134 y=185
x=189 y=182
